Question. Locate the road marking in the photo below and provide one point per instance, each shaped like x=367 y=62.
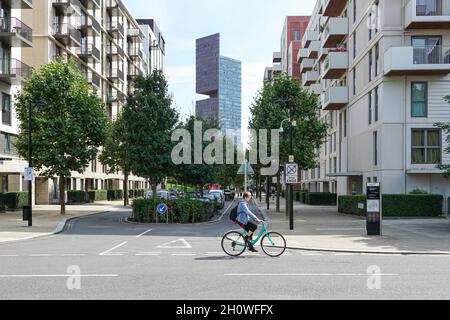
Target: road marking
x=184 y=254
x=143 y=233
x=58 y=275
x=73 y=255
x=9 y=256
x=169 y=245
x=312 y=254
x=148 y=254
x=344 y=254
x=107 y=252
x=310 y=275
x=340 y=229
x=41 y=255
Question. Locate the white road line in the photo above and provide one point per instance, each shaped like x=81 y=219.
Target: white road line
x=41 y=255
x=9 y=256
x=312 y=254
x=148 y=254
x=184 y=254
x=107 y=252
x=143 y=233
x=58 y=276
x=309 y=275
x=340 y=229
x=73 y=255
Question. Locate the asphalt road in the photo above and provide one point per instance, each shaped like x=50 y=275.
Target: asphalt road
x=117 y=260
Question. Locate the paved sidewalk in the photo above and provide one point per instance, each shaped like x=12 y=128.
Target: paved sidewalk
x=322 y=228
x=47 y=219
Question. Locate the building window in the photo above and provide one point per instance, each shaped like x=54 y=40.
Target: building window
x=426 y=146
x=354 y=81
x=7 y=143
x=377 y=60
x=370 y=107
x=354 y=45
x=419 y=99
x=377 y=108
x=370 y=26
x=345 y=123
x=354 y=11
x=6 y=109
x=297 y=35
x=375 y=147
x=377 y=16
x=370 y=65
x=335 y=165
x=94 y=165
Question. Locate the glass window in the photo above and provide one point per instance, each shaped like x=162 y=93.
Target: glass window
x=7 y=143
x=297 y=35
x=6 y=109
x=370 y=65
x=354 y=81
x=419 y=99
x=370 y=107
x=377 y=60
x=375 y=147
x=354 y=45
x=376 y=105
x=426 y=146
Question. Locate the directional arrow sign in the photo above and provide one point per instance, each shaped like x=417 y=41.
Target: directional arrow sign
x=176 y=244
x=250 y=170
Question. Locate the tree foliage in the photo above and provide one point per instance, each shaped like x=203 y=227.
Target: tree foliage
x=445 y=127
x=68 y=129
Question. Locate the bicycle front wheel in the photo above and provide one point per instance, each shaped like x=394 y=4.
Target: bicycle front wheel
x=273 y=244
x=233 y=244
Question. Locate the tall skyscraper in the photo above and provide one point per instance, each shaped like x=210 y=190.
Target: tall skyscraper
x=220 y=78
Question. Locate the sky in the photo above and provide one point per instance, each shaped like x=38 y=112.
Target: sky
x=250 y=31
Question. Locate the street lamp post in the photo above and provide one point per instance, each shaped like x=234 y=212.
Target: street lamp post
x=290 y=187
x=30 y=157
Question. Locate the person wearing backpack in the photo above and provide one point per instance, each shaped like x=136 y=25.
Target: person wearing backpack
x=245 y=219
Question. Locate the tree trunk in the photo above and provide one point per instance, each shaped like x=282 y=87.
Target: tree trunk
x=154 y=189
x=278 y=192
x=126 y=200
x=62 y=194
x=268 y=192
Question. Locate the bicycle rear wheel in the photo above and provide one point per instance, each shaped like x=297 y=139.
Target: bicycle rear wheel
x=273 y=244
x=233 y=244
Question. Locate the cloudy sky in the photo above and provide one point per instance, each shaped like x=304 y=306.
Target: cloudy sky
x=250 y=31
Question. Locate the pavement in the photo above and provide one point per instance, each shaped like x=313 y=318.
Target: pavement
x=101 y=257
x=324 y=229
x=47 y=219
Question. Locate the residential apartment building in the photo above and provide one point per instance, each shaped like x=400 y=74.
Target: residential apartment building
x=293 y=30
x=154 y=45
x=381 y=70
x=106 y=42
x=220 y=78
x=15 y=35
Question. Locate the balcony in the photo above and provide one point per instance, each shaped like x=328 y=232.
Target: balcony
x=89 y=26
x=18 y=4
x=333 y=8
x=13 y=71
x=89 y=53
x=115 y=97
x=427 y=14
x=309 y=78
x=90 y=4
x=66 y=7
x=134 y=33
x=336 y=30
x=115 y=28
x=315 y=88
x=313 y=50
x=335 y=65
x=113 y=8
x=335 y=98
x=323 y=53
x=277 y=57
x=114 y=51
x=135 y=52
x=15 y=33
x=307 y=65
x=93 y=79
x=310 y=35
x=67 y=34
x=302 y=54
x=115 y=74
x=134 y=72
x=426 y=60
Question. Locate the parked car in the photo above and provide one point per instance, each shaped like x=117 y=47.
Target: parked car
x=229 y=195
x=220 y=196
x=161 y=194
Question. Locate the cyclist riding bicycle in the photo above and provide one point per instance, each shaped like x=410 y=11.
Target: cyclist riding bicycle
x=244 y=220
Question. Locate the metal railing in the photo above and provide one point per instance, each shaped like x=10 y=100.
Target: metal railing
x=425 y=8
x=14 y=67
x=90 y=49
x=14 y=25
x=431 y=55
x=89 y=21
x=66 y=29
x=116 y=25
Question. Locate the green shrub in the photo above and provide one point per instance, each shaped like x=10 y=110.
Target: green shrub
x=15 y=200
x=349 y=205
x=143 y=210
x=2 y=202
x=321 y=199
x=303 y=195
x=396 y=205
x=97 y=195
x=76 y=196
x=115 y=195
x=418 y=191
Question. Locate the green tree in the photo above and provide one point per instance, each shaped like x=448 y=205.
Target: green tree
x=115 y=151
x=68 y=130
x=150 y=120
x=446 y=129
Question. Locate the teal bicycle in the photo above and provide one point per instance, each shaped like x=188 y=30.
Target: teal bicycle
x=273 y=244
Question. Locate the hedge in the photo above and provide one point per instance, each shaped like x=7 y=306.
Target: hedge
x=2 y=202
x=183 y=210
x=136 y=193
x=15 y=200
x=97 y=195
x=76 y=196
x=114 y=195
x=396 y=205
x=321 y=199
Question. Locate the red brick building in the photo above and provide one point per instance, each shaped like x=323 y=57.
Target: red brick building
x=293 y=31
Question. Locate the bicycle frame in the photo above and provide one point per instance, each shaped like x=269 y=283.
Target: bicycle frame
x=262 y=233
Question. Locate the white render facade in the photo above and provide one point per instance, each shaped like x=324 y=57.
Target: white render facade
x=381 y=89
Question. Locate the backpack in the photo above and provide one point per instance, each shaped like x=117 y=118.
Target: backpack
x=234 y=214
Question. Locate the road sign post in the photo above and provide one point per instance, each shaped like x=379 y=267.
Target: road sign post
x=291 y=174
x=374 y=210
x=163 y=209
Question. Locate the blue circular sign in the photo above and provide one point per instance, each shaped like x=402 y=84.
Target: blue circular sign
x=162 y=209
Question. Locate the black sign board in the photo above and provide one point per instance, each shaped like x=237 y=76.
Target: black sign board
x=374 y=210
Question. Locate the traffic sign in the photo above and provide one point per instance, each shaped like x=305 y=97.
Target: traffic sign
x=246 y=168
x=291 y=159
x=162 y=209
x=291 y=173
x=28 y=174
